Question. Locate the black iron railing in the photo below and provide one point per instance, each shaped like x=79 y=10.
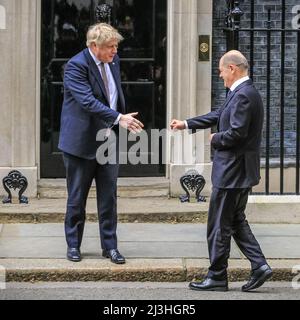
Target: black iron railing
x=234 y=29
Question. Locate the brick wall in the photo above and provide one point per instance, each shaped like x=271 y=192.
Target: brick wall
x=260 y=66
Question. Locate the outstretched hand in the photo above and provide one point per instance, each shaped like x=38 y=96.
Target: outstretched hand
x=129 y=122
x=177 y=125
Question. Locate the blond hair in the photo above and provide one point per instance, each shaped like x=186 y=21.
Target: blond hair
x=102 y=33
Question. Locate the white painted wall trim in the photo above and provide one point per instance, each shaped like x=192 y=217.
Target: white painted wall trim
x=170 y=49
x=2 y=18
x=38 y=86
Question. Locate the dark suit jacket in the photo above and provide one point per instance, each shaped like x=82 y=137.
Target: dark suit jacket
x=85 y=108
x=239 y=121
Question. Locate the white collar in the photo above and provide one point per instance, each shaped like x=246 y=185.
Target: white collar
x=238 y=82
x=94 y=57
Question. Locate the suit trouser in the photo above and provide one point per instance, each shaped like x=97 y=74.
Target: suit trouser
x=226 y=218
x=80 y=174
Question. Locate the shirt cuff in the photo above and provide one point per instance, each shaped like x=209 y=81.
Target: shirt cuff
x=118 y=119
x=186 y=124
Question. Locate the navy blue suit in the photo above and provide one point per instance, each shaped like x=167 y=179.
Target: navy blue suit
x=85 y=111
x=236 y=169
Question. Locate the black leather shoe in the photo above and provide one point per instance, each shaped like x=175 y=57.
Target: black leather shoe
x=258 y=278
x=114 y=255
x=209 y=284
x=73 y=254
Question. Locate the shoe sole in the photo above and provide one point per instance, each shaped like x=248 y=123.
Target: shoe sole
x=218 y=289
x=74 y=260
x=267 y=275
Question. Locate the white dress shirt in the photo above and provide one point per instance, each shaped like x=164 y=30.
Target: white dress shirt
x=113 y=91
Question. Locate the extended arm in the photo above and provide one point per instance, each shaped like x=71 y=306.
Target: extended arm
x=205 y=121
x=200 y=122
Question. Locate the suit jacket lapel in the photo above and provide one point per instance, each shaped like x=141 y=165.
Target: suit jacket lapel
x=224 y=107
x=228 y=99
x=226 y=103
x=96 y=72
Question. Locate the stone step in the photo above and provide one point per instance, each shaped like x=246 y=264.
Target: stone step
x=127 y=187
x=141 y=270
x=154 y=209
x=260 y=209
x=154 y=252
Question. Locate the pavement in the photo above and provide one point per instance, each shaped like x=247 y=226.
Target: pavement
x=106 y=292
x=157 y=252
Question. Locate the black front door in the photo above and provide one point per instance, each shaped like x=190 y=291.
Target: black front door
x=143 y=62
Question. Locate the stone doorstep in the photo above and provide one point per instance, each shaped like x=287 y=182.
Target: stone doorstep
x=122 y=182
x=160 y=210
x=153 y=210
x=123 y=192
x=127 y=187
x=141 y=270
x=163 y=217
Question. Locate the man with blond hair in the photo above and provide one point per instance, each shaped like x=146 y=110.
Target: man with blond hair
x=235 y=171
x=93 y=101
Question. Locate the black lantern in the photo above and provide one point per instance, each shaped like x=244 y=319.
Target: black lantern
x=234 y=15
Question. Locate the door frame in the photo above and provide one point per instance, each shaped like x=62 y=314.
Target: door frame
x=38 y=84
x=169 y=83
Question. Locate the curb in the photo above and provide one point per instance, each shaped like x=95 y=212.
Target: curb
x=135 y=270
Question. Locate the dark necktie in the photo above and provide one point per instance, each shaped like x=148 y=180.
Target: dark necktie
x=105 y=80
x=229 y=93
